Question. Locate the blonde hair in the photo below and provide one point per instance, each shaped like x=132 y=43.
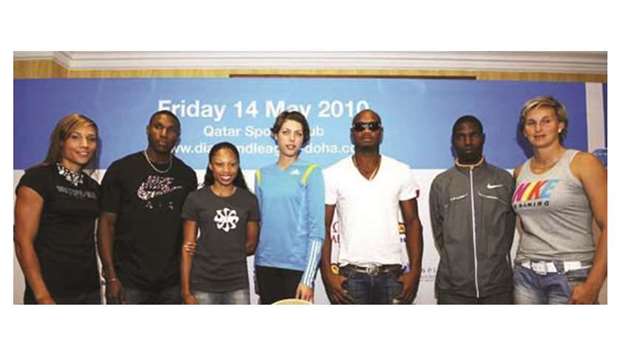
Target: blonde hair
x=61 y=132
x=545 y=101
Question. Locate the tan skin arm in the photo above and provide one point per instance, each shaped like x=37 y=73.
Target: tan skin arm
x=190 y=232
x=593 y=176
x=28 y=209
x=333 y=282
x=415 y=246
x=105 y=242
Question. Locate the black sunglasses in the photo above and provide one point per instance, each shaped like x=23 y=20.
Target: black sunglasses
x=360 y=126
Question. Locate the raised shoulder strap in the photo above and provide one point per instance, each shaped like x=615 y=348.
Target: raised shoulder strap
x=306 y=175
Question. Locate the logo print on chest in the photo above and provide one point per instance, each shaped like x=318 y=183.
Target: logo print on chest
x=534 y=193
x=226 y=219
x=156 y=186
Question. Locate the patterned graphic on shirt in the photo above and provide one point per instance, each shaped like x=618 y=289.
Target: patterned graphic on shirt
x=156 y=186
x=226 y=219
x=75 y=193
x=534 y=193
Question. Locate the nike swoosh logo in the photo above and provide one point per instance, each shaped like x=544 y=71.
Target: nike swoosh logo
x=490 y=187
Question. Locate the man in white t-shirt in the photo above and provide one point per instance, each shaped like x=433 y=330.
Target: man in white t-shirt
x=369 y=191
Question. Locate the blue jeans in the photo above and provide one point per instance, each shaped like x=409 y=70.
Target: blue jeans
x=241 y=296
x=381 y=288
x=551 y=288
x=169 y=295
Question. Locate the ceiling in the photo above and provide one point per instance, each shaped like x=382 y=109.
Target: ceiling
x=564 y=62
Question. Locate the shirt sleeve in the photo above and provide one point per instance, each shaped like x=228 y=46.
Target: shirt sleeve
x=257 y=189
x=316 y=219
x=253 y=212
x=190 y=208
x=316 y=204
x=511 y=218
x=436 y=214
x=111 y=189
x=314 y=255
x=331 y=191
x=194 y=181
x=410 y=188
x=36 y=179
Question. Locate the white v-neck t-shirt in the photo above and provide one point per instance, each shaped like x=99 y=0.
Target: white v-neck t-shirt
x=368 y=210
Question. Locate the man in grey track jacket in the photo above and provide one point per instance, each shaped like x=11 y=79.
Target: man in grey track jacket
x=473 y=223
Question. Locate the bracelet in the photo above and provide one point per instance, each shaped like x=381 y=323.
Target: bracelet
x=335 y=269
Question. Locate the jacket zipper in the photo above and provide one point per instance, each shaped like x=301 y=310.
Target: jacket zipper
x=473 y=223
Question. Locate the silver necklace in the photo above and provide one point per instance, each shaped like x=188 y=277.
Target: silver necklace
x=146 y=156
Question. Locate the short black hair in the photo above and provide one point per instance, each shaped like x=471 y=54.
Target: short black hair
x=169 y=114
x=467 y=118
x=367 y=111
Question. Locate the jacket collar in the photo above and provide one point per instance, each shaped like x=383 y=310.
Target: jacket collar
x=467 y=167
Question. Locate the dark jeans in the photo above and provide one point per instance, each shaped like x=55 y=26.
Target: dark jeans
x=88 y=297
x=380 y=288
x=451 y=298
x=169 y=295
x=275 y=284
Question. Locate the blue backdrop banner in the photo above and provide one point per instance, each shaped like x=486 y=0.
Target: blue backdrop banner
x=417 y=115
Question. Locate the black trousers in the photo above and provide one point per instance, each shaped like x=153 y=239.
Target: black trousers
x=275 y=284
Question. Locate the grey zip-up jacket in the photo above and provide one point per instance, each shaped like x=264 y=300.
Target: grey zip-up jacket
x=473 y=227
